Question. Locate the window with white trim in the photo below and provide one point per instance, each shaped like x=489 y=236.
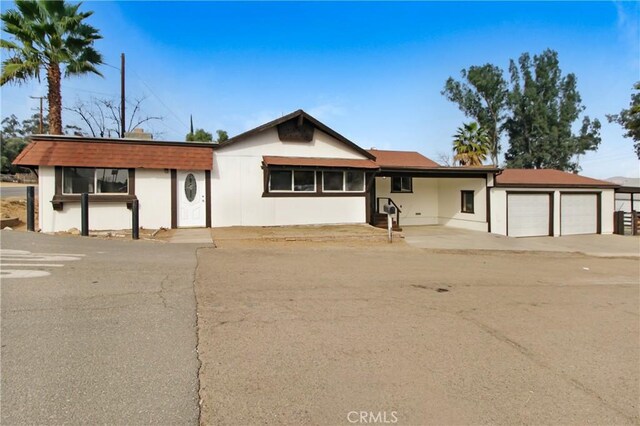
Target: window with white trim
x=77 y=180
x=343 y=181
x=292 y=181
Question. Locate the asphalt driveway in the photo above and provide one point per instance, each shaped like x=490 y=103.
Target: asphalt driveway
x=318 y=333
x=448 y=238
x=97 y=332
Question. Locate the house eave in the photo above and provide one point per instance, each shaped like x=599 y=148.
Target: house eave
x=436 y=172
x=84 y=139
x=540 y=185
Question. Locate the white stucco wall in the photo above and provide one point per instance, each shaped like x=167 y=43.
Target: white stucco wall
x=419 y=207
x=449 y=203
x=238 y=183
x=499 y=207
x=152 y=189
x=607 y=209
x=46 y=189
x=498 y=201
x=437 y=201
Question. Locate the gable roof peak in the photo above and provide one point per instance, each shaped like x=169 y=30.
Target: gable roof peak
x=288 y=117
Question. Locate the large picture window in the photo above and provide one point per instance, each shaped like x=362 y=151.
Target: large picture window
x=349 y=181
x=401 y=184
x=292 y=180
x=78 y=180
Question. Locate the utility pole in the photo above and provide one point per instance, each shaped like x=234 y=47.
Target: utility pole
x=41 y=116
x=122 y=97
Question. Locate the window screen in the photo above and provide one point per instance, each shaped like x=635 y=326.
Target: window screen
x=332 y=181
x=280 y=180
x=304 y=180
x=354 y=181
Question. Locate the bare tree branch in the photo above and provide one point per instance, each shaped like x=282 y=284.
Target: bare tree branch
x=102 y=116
x=445 y=159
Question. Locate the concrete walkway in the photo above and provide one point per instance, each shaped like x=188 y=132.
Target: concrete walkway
x=191 y=236
x=445 y=238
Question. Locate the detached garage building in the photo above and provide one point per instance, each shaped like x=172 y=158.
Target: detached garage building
x=537 y=202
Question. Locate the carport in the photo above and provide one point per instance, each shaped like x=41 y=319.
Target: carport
x=426 y=193
x=627 y=206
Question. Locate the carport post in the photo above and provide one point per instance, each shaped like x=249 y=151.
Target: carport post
x=30 y=208
x=84 y=213
x=135 y=226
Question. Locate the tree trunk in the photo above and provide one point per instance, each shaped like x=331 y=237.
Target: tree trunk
x=55 y=99
x=494 y=147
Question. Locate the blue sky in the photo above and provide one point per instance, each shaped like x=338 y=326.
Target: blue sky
x=371 y=71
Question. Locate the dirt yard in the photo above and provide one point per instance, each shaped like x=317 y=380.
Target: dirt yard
x=17 y=207
x=300 y=333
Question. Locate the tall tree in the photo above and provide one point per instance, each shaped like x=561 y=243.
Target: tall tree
x=630 y=119
x=222 y=135
x=544 y=104
x=14 y=136
x=200 y=135
x=49 y=36
x=482 y=96
x=471 y=145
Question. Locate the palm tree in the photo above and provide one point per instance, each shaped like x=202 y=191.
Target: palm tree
x=471 y=145
x=47 y=35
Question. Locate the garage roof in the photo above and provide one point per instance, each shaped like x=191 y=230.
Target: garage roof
x=319 y=162
x=548 y=178
x=117 y=153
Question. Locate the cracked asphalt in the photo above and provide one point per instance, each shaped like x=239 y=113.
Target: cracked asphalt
x=308 y=333
x=106 y=339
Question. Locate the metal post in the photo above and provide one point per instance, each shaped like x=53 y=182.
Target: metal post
x=135 y=226
x=31 y=208
x=84 y=212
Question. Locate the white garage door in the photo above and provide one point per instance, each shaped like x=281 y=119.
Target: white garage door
x=578 y=214
x=527 y=215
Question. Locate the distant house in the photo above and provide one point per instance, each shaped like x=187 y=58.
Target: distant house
x=295 y=170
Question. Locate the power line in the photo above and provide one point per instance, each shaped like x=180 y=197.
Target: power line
x=160 y=100
x=89 y=91
x=154 y=94
x=111 y=66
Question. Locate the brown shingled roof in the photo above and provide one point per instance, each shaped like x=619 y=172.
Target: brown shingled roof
x=115 y=154
x=547 y=177
x=319 y=162
x=402 y=159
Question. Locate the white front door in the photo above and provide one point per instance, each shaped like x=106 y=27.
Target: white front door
x=191 y=198
x=578 y=214
x=528 y=215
